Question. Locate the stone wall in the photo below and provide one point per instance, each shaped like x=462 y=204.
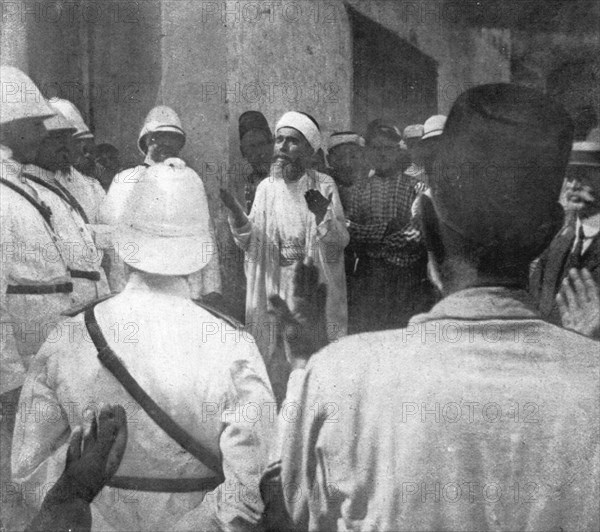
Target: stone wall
x=212 y=60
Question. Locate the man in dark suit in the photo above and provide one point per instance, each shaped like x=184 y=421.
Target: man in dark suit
x=577 y=245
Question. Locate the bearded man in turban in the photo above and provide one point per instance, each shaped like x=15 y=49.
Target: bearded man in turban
x=296 y=214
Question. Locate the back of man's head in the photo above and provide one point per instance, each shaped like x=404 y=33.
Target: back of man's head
x=499 y=173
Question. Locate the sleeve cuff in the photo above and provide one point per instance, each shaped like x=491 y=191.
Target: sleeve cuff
x=239 y=231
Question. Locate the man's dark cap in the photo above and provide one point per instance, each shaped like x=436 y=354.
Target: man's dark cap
x=253 y=120
x=500 y=168
x=378 y=128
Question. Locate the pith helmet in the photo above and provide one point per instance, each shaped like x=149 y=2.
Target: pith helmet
x=21 y=99
x=72 y=114
x=160 y=118
x=164 y=228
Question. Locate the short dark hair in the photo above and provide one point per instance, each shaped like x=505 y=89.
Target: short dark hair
x=499 y=171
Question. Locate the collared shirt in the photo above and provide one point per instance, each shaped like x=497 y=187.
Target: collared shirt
x=439 y=425
x=374 y=202
x=203 y=373
x=591 y=228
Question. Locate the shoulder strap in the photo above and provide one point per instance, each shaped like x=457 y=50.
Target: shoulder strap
x=218 y=313
x=111 y=362
x=46 y=185
x=72 y=312
x=64 y=192
x=44 y=210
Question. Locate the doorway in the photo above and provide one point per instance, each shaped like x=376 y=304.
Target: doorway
x=393 y=79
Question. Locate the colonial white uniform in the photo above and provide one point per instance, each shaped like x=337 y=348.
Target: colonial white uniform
x=36 y=286
x=78 y=247
x=203 y=373
x=87 y=190
x=160 y=118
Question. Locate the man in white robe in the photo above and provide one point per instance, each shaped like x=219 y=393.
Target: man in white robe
x=296 y=214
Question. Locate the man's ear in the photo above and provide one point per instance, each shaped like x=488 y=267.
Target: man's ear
x=430 y=227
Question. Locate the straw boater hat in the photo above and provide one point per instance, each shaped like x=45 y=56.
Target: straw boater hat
x=585 y=153
x=21 y=99
x=72 y=114
x=160 y=118
x=414 y=131
x=166 y=219
x=433 y=127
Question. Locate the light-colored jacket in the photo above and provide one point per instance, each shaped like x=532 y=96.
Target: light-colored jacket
x=76 y=239
x=477 y=416
x=204 y=373
x=31 y=257
x=87 y=190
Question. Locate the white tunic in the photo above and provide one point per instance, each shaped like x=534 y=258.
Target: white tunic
x=87 y=190
x=30 y=256
x=78 y=247
x=203 y=373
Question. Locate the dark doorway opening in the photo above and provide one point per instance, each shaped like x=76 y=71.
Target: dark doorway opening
x=393 y=79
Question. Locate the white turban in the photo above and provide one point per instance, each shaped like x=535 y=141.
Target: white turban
x=345 y=137
x=302 y=123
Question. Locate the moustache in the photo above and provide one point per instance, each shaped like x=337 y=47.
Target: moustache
x=281 y=157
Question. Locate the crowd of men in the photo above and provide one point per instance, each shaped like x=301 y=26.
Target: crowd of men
x=420 y=344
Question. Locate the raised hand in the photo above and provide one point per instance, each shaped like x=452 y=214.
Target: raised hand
x=95 y=451
x=93 y=457
x=317 y=203
x=579 y=303
x=237 y=211
x=304 y=325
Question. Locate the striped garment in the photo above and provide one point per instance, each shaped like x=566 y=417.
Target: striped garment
x=374 y=202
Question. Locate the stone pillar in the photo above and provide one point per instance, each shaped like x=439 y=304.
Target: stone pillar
x=13 y=37
x=194 y=82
